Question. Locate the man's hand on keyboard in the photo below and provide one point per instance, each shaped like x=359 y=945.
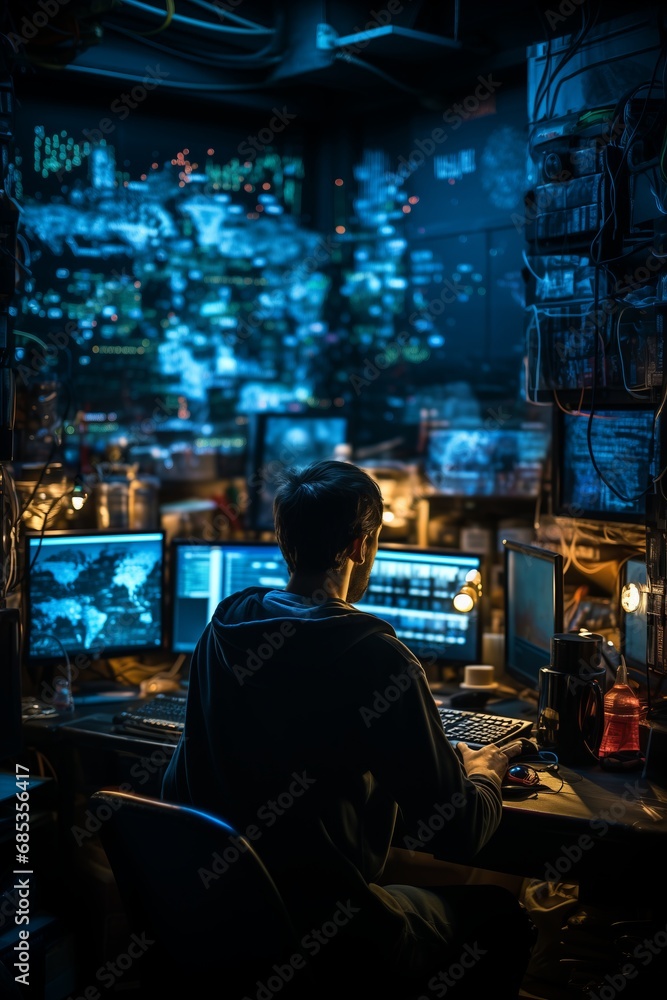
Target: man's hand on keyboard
x=490 y=761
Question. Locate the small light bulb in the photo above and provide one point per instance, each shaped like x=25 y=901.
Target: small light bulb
x=79 y=497
x=630 y=597
x=463 y=602
x=465 y=599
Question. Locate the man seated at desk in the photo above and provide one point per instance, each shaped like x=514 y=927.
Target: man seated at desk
x=286 y=748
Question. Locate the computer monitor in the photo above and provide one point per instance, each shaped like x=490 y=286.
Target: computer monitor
x=277 y=441
x=203 y=573
x=98 y=594
x=533 y=579
x=413 y=589
x=633 y=624
x=623 y=441
x=487 y=461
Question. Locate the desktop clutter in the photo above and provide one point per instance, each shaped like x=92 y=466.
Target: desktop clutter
x=577 y=718
x=585 y=710
x=581 y=718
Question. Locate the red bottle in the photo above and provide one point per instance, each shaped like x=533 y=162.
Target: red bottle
x=621 y=716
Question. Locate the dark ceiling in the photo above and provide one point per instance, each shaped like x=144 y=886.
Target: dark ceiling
x=344 y=57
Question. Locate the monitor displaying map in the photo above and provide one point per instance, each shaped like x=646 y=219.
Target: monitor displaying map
x=94 y=593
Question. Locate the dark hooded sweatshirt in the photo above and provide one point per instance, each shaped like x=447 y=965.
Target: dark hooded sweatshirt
x=312 y=728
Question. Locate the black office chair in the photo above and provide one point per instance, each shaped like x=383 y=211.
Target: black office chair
x=197 y=888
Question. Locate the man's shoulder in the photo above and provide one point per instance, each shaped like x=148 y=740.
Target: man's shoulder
x=386 y=648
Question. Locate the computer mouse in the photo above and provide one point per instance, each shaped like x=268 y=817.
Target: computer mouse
x=521 y=774
x=521 y=748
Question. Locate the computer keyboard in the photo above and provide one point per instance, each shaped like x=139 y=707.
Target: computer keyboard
x=478 y=729
x=162 y=717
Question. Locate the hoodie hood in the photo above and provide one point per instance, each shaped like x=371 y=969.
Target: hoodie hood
x=259 y=626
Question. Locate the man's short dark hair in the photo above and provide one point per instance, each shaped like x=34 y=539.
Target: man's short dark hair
x=320 y=509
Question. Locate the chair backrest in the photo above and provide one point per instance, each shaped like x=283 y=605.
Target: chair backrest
x=198 y=889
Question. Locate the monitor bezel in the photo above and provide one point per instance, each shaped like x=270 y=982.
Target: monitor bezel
x=181 y=542
x=560 y=508
x=255 y=455
x=555 y=559
x=455 y=663
x=33 y=660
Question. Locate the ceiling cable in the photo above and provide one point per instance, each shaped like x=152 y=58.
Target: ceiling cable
x=228 y=60
x=204 y=26
x=178 y=84
x=222 y=12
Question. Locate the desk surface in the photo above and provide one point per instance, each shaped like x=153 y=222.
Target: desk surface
x=90 y=725
x=598 y=823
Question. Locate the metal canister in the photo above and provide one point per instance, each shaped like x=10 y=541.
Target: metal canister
x=144 y=508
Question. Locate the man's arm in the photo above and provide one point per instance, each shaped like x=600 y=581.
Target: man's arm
x=449 y=805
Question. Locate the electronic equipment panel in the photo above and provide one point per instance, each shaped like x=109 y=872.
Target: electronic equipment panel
x=604 y=466
x=204 y=573
x=414 y=589
x=97 y=593
x=533 y=609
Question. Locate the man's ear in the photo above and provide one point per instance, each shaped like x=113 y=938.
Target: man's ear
x=357 y=550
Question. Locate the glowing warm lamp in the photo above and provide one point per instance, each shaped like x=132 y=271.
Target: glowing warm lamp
x=631 y=596
x=79 y=496
x=470 y=592
x=465 y=599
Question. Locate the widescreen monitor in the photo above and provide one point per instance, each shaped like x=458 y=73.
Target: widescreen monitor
x=414 y=589
x=204 y=573
x=533 y=579
x=488 y=461
x=94 y=593
x=278 y=441
x=623 y=442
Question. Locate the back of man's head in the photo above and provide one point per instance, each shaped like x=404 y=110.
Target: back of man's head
x=319 y=510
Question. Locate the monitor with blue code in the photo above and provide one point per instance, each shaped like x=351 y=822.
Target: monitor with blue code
x=204 y=573
x=414 y=589
x=603 y=466
x=95 y=593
